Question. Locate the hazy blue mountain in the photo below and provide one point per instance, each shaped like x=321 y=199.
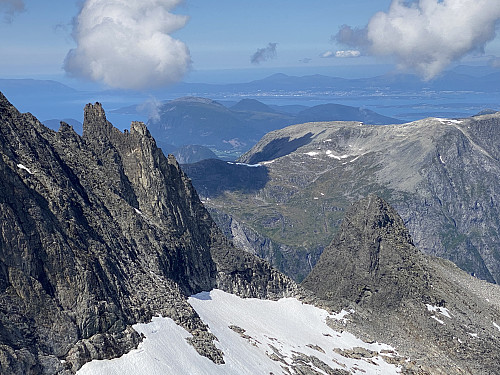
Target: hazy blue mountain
x=193 y=153
x=339 y=112
x=13 y=87
x=251 y=105
x=231 y=131
x=291 y=109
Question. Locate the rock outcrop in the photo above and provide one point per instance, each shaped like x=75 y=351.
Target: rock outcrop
x=445 y=320
x=98 y=233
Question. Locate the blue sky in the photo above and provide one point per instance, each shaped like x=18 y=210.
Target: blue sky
x=223 y=35
x=228 y=33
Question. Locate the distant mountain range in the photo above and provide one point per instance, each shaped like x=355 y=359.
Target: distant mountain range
x=231 y=131
x=450 y=80
x=458 y=93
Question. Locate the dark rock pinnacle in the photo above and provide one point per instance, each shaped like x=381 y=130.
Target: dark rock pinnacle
x=372 y=259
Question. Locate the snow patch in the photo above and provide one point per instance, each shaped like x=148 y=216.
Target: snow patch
x=245 y=164
x=437 y=319
x=496 y=326
x=256 y=336
x=472 y=334
x=440 y=310
x=448 y=121
x=20 y=166
x=342 y=315
x=330 y=154
x=284 y=328
x=338 y=157
x=441 y=159
x=164 y=351
x=268 y=162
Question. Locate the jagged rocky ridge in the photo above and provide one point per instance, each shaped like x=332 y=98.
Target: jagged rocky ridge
x=445 y=320
x=441 y=175
x=100 y=232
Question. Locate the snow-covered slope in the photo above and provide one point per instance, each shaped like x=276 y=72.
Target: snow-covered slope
x=256 y=336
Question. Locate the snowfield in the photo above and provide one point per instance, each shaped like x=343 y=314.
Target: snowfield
x=256 y=336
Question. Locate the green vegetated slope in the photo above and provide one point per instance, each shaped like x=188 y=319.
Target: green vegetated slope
x=441 y=175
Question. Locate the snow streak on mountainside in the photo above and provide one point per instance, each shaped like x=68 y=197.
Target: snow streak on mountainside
x=257 y=337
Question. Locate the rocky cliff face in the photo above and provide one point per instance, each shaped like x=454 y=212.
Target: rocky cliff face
x=434 y=313
x=296 y=262
x=371 y=260
x=441 y=175
x=100 y=232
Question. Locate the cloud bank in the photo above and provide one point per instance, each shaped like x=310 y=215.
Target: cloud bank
x=264 y=54
x=341 y=54
x=126 y=44
x=10 y=7
x=426 y=35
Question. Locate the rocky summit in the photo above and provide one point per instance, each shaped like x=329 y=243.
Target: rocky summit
x=98 y=233
x=433 y=312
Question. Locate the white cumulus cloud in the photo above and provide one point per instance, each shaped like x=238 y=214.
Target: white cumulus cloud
x=427 y=35
x=341 y=54
x=127 y=43
x=348 y=53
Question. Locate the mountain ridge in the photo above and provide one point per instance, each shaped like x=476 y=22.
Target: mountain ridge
x=440 y=175
x=101 y=231
x=232 y=130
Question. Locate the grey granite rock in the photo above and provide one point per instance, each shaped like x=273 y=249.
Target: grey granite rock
x=98 y=233
x=434 y=313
